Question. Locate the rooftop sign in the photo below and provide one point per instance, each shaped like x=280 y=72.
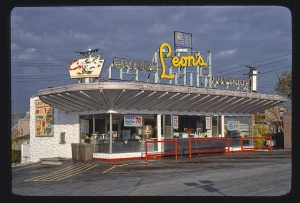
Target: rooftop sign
x=86 y=68
x=134 y=64
x=183 y=61
x=182 y=39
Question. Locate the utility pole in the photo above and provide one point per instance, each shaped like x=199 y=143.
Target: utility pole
x=253 y=78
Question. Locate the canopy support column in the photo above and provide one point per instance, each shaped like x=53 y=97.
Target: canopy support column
x=158 y=123
x=222 y=126
x=110 y=133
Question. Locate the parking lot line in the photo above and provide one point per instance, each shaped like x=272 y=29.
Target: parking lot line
x=65 y=172
x=57 y=172
x=109 y=169
x=20 y=167
x=86 y=169
x=70 y=172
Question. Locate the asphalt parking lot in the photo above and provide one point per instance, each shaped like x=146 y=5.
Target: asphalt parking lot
x=250 y=174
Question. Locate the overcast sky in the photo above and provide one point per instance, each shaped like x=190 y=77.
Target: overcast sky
x=44 y=40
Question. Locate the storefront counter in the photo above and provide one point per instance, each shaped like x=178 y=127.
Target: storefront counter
x=135 y=145
x=119 y=146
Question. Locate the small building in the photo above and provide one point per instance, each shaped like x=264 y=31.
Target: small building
x=146 y=101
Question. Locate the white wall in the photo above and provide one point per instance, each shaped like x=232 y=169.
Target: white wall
x=48 y=147
x=25 y=153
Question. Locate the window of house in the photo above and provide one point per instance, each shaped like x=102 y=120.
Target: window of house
x=62 y=138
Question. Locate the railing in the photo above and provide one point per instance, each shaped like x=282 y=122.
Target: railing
x=186 y=146
x=191 y=151
x=160 y=153
x=268 y=138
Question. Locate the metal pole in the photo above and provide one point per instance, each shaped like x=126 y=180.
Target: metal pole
x=109 y=72
x=158 y=124
x=93 y=123
x=184 y=76
x=146 y=151
x=209 y=70
x=136 y=75
x=156 y=61
x=190 y=149
x=241 y=142
x=121 y=73
x=176 y=149
x=228 y=145
x=110 y=133
x=198 y=76
x=170 y=72
x=222 y=126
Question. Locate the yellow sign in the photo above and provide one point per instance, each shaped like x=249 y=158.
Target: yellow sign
x=43 y=119
x=176 y=61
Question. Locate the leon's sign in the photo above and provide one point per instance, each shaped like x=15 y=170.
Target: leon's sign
x=176 y=61
x=134 y=64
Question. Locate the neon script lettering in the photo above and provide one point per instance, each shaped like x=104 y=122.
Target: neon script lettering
x=176 y=61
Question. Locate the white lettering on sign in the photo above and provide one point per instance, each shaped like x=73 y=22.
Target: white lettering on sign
x=175 y=122
x=233 y=125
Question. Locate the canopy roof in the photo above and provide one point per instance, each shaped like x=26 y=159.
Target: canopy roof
x=155 y=98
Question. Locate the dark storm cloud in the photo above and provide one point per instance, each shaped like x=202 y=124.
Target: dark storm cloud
x=235 y=35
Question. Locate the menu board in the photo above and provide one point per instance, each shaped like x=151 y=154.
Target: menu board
x=233 y=125
x=43 y=119
x=133 y=121
x=175 y=122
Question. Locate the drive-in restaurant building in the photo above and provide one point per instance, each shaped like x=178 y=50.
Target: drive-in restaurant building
x=173 y=97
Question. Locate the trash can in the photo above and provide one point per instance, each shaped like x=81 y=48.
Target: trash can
x=82 y=151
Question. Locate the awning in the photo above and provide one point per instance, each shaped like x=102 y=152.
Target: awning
x=156 y=98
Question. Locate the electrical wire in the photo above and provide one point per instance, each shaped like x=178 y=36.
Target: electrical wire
x=236 y=67
x=275 y=70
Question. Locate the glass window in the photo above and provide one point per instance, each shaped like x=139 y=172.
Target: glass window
x=62 y=138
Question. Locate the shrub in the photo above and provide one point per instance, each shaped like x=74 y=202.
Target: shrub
x=259 y=142
x=16 y=156
x=260 y=130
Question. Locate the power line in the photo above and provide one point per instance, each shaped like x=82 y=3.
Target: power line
x=275 y=70
x=236 y=67
x=40 y=80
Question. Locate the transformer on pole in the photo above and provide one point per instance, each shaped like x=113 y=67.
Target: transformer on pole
x=253 y=78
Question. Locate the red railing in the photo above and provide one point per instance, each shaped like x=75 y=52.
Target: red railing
x=207 y=150
x=269 y=146
x=162 y=153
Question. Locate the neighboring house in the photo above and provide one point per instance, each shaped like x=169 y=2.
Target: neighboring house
x=271 y=121
x=14 y=135
x=15 y=117
x=273 y=118
x=20 y=132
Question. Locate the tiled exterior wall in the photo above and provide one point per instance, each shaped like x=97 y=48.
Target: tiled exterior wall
x=48 y=147
x=287 y=126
